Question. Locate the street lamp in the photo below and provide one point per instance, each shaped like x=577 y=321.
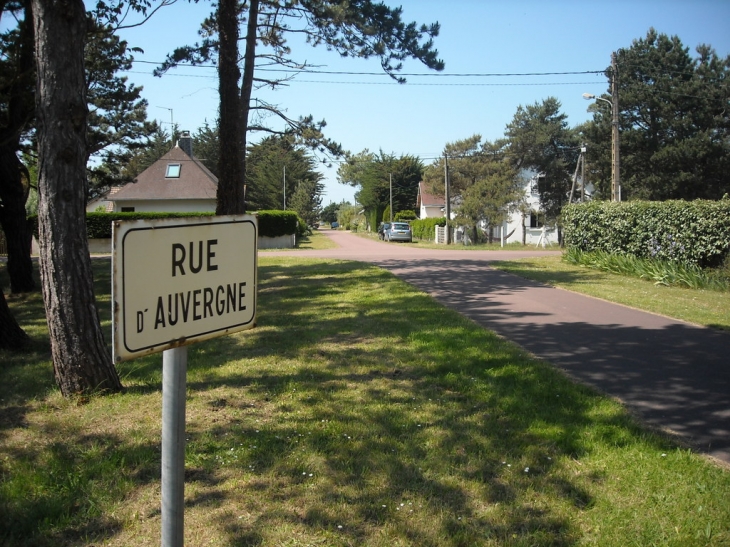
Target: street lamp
x=615 y=177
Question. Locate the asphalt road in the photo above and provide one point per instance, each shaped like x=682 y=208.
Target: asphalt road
x=675 y=376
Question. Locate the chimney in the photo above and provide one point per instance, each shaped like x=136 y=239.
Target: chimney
x=186 y=143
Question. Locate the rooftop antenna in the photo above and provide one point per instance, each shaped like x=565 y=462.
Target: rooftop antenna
x=172 y=125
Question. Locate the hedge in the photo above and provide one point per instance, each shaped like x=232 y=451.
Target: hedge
x=692 y=232
x=271 y=223
x=425 y=228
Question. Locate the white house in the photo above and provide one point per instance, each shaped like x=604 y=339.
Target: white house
x=525 y=223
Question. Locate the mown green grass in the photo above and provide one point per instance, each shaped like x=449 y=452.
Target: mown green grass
x=702 y=307
x=358 y=412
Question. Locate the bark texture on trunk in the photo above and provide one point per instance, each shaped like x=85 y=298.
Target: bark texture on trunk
x=81 y=361
x=229 y=197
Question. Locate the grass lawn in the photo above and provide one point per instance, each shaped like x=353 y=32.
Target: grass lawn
x=702 y=307
x=358 y=413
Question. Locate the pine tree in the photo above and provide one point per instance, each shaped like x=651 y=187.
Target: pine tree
x=361 y=29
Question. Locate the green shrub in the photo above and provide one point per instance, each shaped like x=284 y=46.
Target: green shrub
x=694 y=232
x=425 y=228
x=277 y=223
x=271 y=223
x=405 y=216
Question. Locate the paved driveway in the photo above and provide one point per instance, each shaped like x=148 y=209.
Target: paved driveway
x=676 y=376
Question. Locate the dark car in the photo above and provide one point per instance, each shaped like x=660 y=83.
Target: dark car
x=382 y=228
x=399 y=231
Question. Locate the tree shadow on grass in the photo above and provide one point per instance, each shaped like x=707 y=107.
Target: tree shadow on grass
x=347 y=413
x=449 y=424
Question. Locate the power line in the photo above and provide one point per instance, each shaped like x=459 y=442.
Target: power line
x=412 y=74
x=421 y=84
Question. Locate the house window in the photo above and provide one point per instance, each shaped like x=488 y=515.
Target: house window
x=537 y=220
x=173 y=171
x=127 y=209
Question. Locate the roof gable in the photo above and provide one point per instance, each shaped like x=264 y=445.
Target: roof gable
x=426 y=199
x=195 y=181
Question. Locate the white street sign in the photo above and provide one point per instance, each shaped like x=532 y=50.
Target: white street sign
x=179 y=281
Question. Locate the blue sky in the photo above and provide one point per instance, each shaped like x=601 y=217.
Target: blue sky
x=420 y=117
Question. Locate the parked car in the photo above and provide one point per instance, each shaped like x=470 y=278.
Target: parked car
x=399 y=231
x=382 y=228
x=335 y=225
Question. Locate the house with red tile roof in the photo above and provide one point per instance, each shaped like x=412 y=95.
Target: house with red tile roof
x=429 y=205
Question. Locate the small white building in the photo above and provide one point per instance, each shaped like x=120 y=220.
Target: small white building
x=429 y=205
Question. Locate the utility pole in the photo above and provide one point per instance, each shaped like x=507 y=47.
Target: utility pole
x=447 y=199
x=285 y=187
x=615 y=162
x=391 y=197
x=583 y=173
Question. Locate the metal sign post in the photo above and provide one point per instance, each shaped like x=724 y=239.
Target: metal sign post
x=176 y=282
x=174 y=371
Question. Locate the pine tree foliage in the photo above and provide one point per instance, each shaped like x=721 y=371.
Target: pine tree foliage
x=271 y=164
x=540 y=140
x=675 y=120
x=157 y=144
x=307 y=201
x=361 y=29
x=117 y=123
x=674 y=123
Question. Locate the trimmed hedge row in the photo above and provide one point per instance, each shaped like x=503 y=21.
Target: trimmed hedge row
x=692 y=232
x=425 y=228
x=271 y=223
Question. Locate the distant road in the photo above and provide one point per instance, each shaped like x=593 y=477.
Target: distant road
x=674 y=375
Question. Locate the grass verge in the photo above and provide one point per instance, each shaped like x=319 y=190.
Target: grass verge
x=358 y=412
x=698 y=306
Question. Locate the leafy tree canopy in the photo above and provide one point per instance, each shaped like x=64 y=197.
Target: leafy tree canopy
x=329 y=212
x=377 y=175
x=482 y=181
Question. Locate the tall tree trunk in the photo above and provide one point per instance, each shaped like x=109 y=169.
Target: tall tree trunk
x=229 y=196
x=11 y=335
x=81 y=361
x=13 y=193
x=249 y=61
x=14 y=221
